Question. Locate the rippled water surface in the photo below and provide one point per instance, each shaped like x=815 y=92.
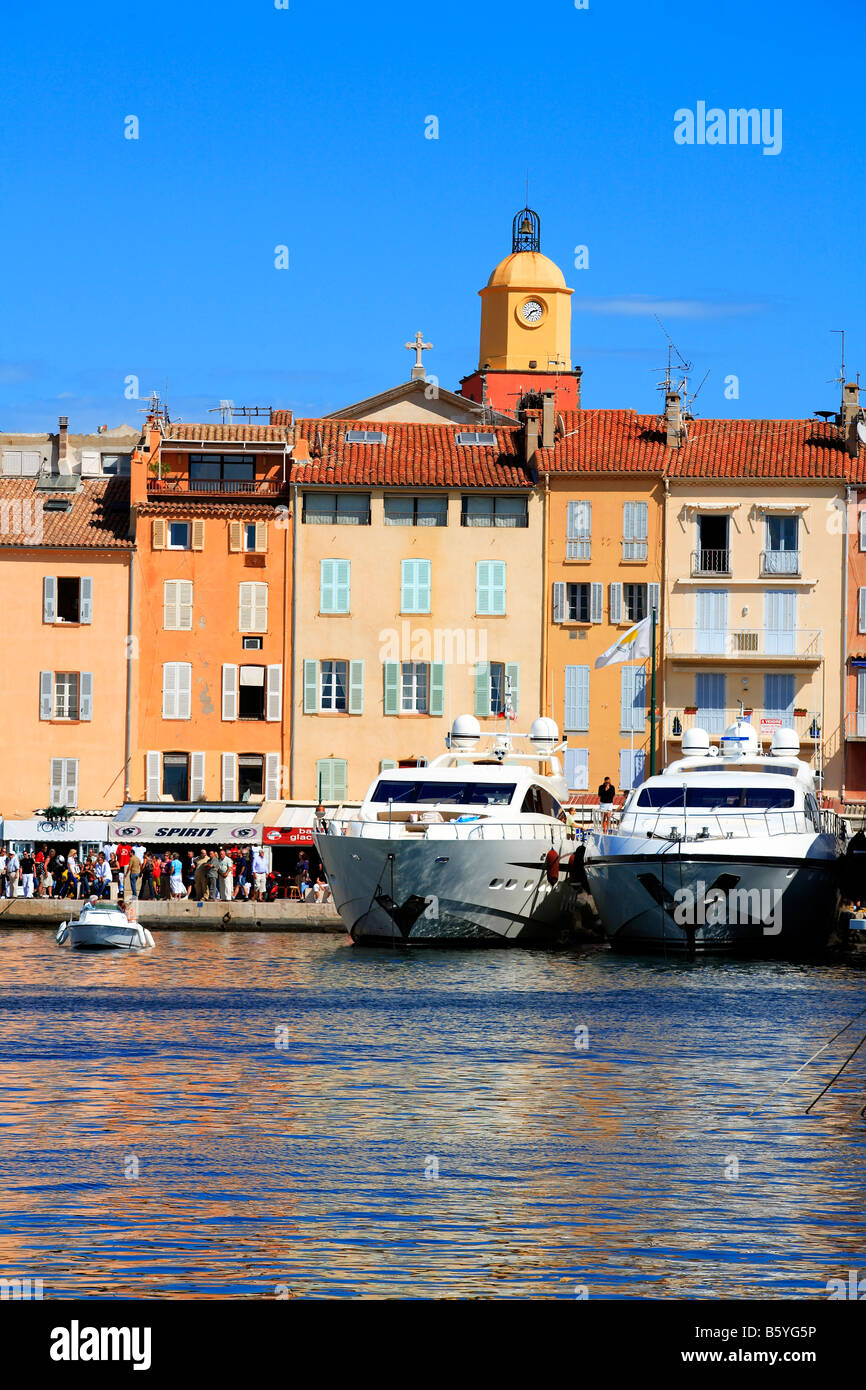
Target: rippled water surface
x=313 y=1165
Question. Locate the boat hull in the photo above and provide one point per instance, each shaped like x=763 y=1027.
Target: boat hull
x=735 y=897
x=471 y=892
x=100 y=936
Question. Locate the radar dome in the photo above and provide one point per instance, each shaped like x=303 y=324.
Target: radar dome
x=695 y=741
x=739 y=737
x=465 y=732
x=785 y=744
x=544 y=734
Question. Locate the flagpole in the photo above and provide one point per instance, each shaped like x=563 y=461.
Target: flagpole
x=653 y=699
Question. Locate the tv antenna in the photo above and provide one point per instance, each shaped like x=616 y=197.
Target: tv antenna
x=840 y=379
x=228 y=411
x=155 y=409
x=667 y=384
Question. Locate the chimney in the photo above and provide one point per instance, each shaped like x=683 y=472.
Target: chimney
x=532 y=420
x=850 y=416
x=673 y=419
x=548 y=419
x=62 y=441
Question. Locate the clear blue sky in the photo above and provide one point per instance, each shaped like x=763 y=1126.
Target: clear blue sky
x=305 y=127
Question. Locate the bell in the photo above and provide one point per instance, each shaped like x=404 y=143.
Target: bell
x=526 y=227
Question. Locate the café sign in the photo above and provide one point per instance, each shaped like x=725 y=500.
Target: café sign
x=132 y=832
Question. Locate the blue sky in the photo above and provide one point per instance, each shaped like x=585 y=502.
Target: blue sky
x=305 y=127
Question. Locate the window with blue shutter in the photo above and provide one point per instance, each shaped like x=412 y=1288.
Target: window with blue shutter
x=779 y=699
x=335 y=586
x=578 y=530
x=596 y=602
x=616 y=603
x=575 y=765
x=632 y=699
x=577 y=699
x=631 y=768
x=634 y=530
x=710 y=702
x=490 y=587
x=415 y=586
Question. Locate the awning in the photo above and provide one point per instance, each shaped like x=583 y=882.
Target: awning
x=78 y=829
x=294 y=827
x=160 y=825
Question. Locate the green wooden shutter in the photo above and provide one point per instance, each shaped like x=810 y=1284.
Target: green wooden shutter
x=323 y=779
x=326 y=586
x=407 y=586
x=356 y=687
x=386 y=764
x=512 y=674
x=437 y=687
x=339 y=778
x=391 y=671
x=311 y=687
x=497 y=586
x=342 y=585
x=482 y=586
x=482 y=689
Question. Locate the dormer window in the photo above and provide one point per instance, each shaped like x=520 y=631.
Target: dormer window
x=476 y=439
x=365 y=436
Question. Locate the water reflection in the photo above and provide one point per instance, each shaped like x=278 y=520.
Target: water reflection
x=557 y=1166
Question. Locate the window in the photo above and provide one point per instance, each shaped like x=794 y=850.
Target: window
x=713 y=554
x=576 y=699
x=21 y=462
x=365 y=436
x=415 y=586
x=221 y=473
x=66 y=599
x=176 y=690
x=336 y=508
x=490 y=587
x=334 y=586
x=175 y=776
x=334 y=682
x=723 y=797
x=413 y=690
x=66 y=695
x=577 y=603
x=250 y=536
x=419 y=793
x=415 y=511
x=251 y=692
x=476 y=438
x=178 y=535
x=251 y=776
x=63 y=782
x=252 y=607
x=634 y=600
x=331 y=779
x=782 y=555
x=116 y=465
x=495 y=683
x=634 y=530
x=576 y=769
x=484 y=510
x=578 y=531
x=632 y=700
x=177 y=605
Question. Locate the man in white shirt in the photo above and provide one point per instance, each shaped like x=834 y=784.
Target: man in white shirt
x=260 y=875
x=13 y=864
x=103 y=876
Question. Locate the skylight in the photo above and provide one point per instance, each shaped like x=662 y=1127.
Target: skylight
x=476 y=438
x=365 y=436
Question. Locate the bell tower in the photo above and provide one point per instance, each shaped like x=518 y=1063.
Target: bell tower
x=525 y=328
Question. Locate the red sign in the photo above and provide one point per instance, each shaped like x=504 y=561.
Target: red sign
x=290 y=835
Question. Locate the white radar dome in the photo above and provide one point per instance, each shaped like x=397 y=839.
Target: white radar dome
x=739 y=737
x=695 y=741
x=785 y=744
x=544 y=734
x=465 y=732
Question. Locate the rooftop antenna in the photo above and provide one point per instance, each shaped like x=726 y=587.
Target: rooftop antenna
x=840 y=379
x=667 y=384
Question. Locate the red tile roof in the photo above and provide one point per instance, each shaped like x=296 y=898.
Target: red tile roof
x=98 y=518
x=191 y=433
x=413 y=455
x=621 y=441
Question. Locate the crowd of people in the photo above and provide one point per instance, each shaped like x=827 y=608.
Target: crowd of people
x=133 y=872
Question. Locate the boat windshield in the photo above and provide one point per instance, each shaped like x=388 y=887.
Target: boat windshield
x=421 y=793
x=717 y=798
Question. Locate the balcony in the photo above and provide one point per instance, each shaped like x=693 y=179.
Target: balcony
x=678 y=720
x=745 y=644
x=710 y=562
x=183 y=486
x=855 y=725
x=776 y=564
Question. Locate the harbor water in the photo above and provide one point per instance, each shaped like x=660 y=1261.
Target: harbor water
x=259 y=1116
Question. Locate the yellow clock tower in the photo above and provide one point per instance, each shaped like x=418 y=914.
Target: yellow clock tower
x=525 y=326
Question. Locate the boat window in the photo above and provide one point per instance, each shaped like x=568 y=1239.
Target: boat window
x=721 y=798
x=532 y=802
x=452 y=793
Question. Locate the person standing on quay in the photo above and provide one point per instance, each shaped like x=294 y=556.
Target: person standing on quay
x=212 y=875
x=226 y=876
x=134 y=869
x=199 y=881
x=260 y=874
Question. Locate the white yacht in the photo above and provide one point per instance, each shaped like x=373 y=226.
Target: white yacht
x=466 y=849
x=727 y=849
x=103 y=926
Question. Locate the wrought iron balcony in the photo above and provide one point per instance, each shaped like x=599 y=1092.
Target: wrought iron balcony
x=745 y=644
x=711 y=562
x=855 y=724
x=779 y=563
x=183 y=486
x=805 y=723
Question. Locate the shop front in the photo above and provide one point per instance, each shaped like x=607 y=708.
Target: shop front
x=292 y=847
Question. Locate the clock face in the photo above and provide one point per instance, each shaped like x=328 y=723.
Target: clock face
x=532 y=311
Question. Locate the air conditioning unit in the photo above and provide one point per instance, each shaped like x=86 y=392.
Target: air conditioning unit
x=252 y=644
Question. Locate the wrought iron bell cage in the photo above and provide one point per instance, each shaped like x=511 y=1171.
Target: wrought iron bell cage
x=526 y=231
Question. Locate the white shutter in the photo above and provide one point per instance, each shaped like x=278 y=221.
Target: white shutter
x=861 y=610
x=151 y=764
x=85 y=704
x=46 y=694
x=261 y=535
x=862 y=525
x=12 y=462
x=196 y=776
x=230 y=692
x=245 y=607
x=274 y=700
x=576 y=769
x=559 y=600
x=49 y=599
x=229 y=777
x=653 y=599
x=184 y=690
x=616 y=603
x=30 y=461
x=169 y=604
x=85 y=600
x=236 y=535
x=272 y=777
x=260 y=607
x=596 y=602
x=71 y=789
x=58 y=782
x=90 y=463
x=169 y=690
x=253 y=607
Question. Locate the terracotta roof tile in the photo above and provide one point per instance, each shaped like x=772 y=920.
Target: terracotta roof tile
x=413 y=454
x=191 y=433
x=98 y=518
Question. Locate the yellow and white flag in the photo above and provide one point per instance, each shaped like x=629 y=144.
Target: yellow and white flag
x=634 y=645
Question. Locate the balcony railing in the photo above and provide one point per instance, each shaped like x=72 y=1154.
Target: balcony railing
x=779 y=562
x=711 y=562
x=855 y=724
x=679 y=719
x=216 y=487
x=802 y=644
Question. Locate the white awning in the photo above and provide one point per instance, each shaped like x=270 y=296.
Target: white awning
x=78 y=830
x=155 y=826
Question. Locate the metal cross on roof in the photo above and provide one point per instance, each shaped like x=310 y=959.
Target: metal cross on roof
x=418 y=346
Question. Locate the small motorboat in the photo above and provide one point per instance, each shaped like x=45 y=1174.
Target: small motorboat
x=102 y=926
